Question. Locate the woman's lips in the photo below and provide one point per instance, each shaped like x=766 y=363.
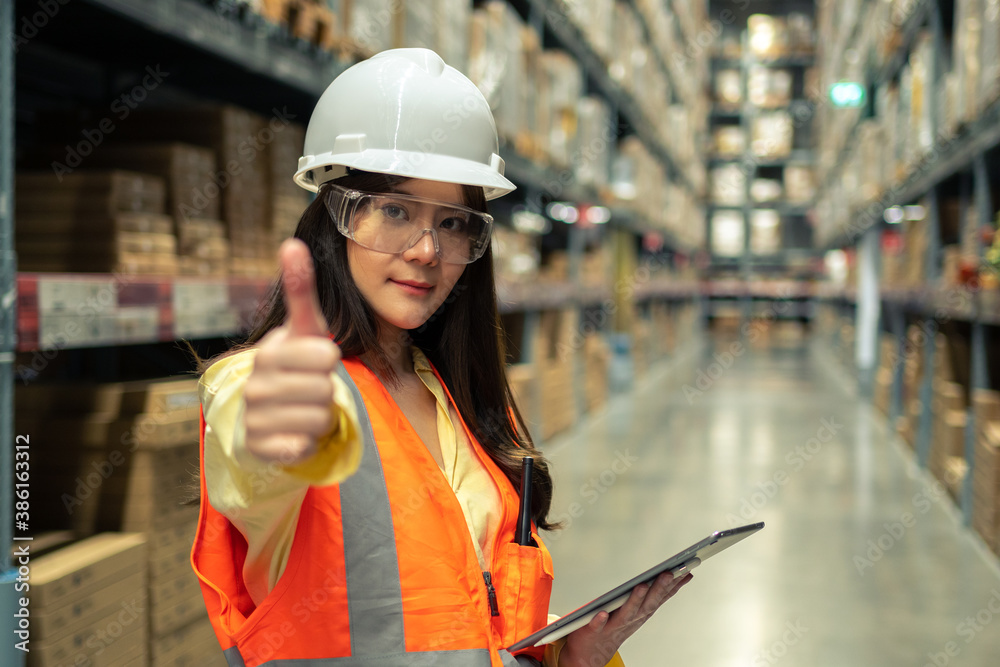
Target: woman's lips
x=413 y=287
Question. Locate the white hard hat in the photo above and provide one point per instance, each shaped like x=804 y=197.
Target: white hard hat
x=404 y=112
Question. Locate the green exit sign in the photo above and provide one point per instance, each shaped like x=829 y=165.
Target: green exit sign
x=847 y=94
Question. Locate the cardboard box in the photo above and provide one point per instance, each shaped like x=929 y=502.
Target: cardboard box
x=955 y=470
x=166 y=595
x=966 y=57
x=88 y=193
x=112 y=399
x=127 y=649
x=194 y=645
x=922 y=98
x=949 y=443
x=729 y=140
x=554 y=350
x=77 y=226
x=772 y=134
x=883 y=390
x=238 y=138
x=768 y=36
x=286 y=200
x=905 y=429
x=151 y=490
x=986 y=406
x=951 y=396
x=168 y=618
x=188 y=172
x=71 y=573
x=989 y=55
x=110 y=244
x=986 y=485
x=765 y=190
x=768 y=87
x=58 y=620
x=597 y=359
x=522 y=378
x=729 y=87
x=729 y=185
x=88 y=602
x=592 y=166
x=800 y=184
x=174 y=558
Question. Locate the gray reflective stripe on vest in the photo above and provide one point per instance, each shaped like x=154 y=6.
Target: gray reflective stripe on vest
x=479 y=657
x=374 y=593
x=520 y=661
x=233 y=657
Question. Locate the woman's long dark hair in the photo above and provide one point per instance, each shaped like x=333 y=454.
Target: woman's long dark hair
x=463 y=339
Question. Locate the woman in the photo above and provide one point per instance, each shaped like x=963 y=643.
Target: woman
x=360 y=453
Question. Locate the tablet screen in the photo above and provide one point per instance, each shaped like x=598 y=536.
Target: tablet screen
x=680 y=563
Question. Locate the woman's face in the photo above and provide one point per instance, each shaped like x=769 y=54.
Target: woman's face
x=405 y=289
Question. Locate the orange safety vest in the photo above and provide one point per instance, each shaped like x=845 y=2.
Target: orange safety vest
x=382 y=568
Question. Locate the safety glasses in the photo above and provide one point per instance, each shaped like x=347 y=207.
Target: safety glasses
x=394 y=223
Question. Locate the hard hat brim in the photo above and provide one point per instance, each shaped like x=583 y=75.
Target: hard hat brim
x=313 y=170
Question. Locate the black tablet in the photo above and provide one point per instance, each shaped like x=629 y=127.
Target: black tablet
x=680 y=564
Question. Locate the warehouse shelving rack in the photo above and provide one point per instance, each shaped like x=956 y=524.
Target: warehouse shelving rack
x=748 y=296
x=545 y=15
x=966 y=159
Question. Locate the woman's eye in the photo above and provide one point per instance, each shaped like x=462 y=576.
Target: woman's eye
x=453 y=224
x=394 y=212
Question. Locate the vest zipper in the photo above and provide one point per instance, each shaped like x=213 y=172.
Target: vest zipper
x=491 y=593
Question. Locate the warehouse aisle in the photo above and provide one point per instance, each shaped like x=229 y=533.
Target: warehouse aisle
x=862 y=561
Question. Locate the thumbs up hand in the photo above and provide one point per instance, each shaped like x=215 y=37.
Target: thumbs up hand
x=289 y=391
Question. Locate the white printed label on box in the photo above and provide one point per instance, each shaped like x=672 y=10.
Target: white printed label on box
x=61 y=330
x=218 y=323
x=200 y=296
x=138 y=324
x=80 y=297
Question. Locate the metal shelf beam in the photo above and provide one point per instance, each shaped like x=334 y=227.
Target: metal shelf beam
x=247 y=45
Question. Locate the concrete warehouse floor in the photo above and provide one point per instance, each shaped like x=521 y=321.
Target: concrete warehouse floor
x=863 y=560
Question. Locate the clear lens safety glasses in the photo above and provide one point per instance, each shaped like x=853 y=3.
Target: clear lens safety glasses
x=394 y=223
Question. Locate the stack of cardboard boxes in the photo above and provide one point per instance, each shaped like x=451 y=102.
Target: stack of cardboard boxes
x=369 y=26
x=187 y=171
x=884 y=376
x=239 y=140
x=127 y=463
x=986 y=467
x=222 y=175
x=555 y=348
x=88 y=604
x=94 y=221
x=286 y=200
x=596 y=360
x=901 y=137
x=911 y=407
x=950 y=407
x=641 y=185
x=154 y=491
